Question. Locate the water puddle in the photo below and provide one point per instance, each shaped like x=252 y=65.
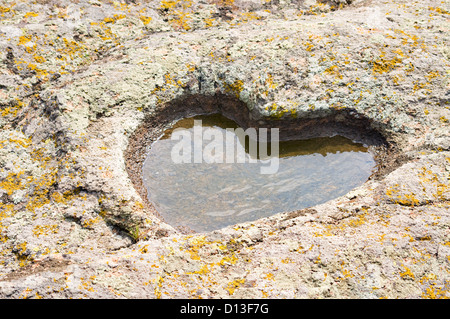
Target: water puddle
x=209 y=195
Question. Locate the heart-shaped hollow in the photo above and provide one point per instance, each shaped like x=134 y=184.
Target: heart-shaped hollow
x=319 y=158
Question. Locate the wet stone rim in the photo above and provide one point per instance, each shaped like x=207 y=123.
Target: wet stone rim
x=343 y=122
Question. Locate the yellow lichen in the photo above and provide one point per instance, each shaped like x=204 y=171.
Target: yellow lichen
x=407 y=273
x=383 y=64
x=39 y=59
x=45 y=230
x=236 y=87
x=12 y=182
x=233 y=285
x=334 y=71
x=31 y=14
x=145 y=20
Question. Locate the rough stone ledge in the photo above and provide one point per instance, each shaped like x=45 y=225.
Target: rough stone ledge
x=73 y=224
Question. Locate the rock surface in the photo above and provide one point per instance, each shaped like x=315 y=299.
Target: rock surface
x=77 y=78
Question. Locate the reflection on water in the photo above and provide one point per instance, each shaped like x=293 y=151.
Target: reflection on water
x=205 y=197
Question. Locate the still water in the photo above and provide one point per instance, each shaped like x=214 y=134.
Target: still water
x=207 y=196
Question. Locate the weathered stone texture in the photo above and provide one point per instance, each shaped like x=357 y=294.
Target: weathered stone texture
x=77 y=78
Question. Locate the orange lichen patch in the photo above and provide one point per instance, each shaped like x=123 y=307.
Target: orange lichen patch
x=279 y=111
x=31 y=14
x=170 y=80
x=45 y=230
x=224 y=3
x=383 y=64
x=88 y=223
x=319 y=8
x=429 y=178
x=310 y=42
x=181 y=20
x=31 y=49
x=248 y=16
x=355 y=221
x=104 y=32
x=21 y=255
x=114 y=18
x=205 y=269
x=333 y=71
x=405 y=199
x=270 y=82
x=270 y=276
x=233 y=285
x=38 y=187
x=12 y=182
x=230 y=260
x=346 y=274
x=22 y=142
x=158 y=286
x=236 y=87
x=145 y=20
x=209 y=22
x=70 y=48
x=407 y=274
x=396 y=79
x=64 y=198
x=39 y=59
x=420 y=85
x=191 y=67
x=432 y=74
x=138 y=205
x=42 y=186
x=24 y=39
x=402 y=198
x=408 y=200
x=13 y=110
x=439 y=10
x=326 y=231
x=41 y=73
x=87 y=284
x=169 y=4
x=4 y=10
x=121 y=6
x=358 y=220
x=433 y=292
x=195 y=245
